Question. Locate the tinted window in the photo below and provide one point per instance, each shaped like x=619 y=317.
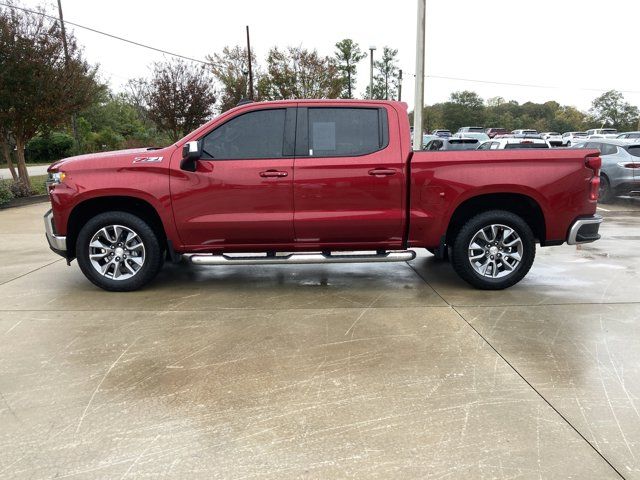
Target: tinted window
x=525 y=145
x=257 y=134
x=345 y=131
x=635 y=150
x=606 y=149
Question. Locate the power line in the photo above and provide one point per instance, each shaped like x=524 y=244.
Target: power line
x=116 y=37
x=527 y=85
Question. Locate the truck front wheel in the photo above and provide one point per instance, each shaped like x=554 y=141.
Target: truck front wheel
x=118 y=251
x=493 y=250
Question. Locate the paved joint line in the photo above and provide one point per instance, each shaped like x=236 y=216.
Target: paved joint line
x=593 y=447
x=31 y=271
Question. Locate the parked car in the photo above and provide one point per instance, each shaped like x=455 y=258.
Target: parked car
x=620 y=173
x=228 y=189
x=470 y=129
x=602 y=133
x=525 y=132
x=480 y=136
x=632 y=136
x=554 y=138
x=427 y=138
x=441 y=133
x=572 y=138
x=508 y=143
x=452 y=143
x=492 y=132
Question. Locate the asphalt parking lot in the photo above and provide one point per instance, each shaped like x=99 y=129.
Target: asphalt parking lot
x=365 y=371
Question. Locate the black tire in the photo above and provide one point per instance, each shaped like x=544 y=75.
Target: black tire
x=460 y=252
x=153 y=259
x=605 y=195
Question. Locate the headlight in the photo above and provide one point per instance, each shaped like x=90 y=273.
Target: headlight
x=55 y=178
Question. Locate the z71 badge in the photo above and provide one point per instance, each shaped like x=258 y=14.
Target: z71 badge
x=147 y=160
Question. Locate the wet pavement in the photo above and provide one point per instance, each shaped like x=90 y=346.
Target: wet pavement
x=337 y=371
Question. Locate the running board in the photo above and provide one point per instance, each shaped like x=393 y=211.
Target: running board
x=302 y=258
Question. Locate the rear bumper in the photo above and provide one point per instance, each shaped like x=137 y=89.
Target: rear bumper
x=57 y=243
x=584 y=230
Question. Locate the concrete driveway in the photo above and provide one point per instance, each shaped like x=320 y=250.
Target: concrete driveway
x=364 y=371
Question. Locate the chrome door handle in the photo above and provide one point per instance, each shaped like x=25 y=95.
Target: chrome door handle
x=273 y=173
x=382 y=172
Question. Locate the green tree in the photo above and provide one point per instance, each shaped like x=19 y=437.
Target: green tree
x=179 y=97
x=611 y=109
x=385 y=79
x=348 y=55
x=231 y=69
x=299 y=73
x=39 y=90
x=464 y=108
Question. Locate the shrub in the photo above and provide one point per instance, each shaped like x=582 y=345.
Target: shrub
x=5 y=193
x=49 y=147
x=20 y=190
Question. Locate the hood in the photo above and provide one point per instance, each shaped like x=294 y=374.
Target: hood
x=106 y=159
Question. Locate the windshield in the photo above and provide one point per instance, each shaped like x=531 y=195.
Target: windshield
x=608 y=131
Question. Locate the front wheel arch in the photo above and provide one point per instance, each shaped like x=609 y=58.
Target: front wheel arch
x=88 y=209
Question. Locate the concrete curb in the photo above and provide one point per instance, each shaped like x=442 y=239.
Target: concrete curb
x=21 y=202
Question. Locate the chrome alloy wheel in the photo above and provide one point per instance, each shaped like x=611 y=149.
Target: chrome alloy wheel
x=116 y=252
x=495 y=251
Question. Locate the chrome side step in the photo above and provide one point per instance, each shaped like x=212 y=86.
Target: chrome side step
x=302 y=258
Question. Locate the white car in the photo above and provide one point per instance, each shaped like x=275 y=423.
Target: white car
x=512 y=143
x=554 y=138
x=629 y=136
x=525 y=132
x=573 y=138
x=602 y=133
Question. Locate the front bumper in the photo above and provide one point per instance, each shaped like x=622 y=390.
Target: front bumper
x=57 y=243
x=584 y=230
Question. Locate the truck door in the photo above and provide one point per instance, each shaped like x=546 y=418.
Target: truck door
x=349 y=179
x=242 y=190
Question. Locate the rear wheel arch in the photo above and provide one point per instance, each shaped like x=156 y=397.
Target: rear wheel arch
x=519 y=204
x=87 y=209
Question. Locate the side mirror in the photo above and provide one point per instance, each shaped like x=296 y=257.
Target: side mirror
x=191 y=153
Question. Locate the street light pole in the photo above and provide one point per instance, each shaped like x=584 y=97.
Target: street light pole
x=371 y=49
x=65 y=47
x=419 y=95
x=249 y=62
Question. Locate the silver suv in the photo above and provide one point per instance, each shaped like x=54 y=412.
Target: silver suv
x=620 y=173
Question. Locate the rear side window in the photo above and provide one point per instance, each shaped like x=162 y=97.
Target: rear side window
x=257 y=134
x=634 y=150
x=339 y=132
x=606 y=149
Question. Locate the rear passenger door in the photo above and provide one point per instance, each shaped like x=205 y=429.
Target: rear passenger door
x=349 y=178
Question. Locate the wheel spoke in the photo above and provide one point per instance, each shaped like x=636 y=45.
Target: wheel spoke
x=129 y=250
x=495 y=251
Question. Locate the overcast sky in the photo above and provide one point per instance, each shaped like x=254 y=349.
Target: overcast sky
x=576 y=48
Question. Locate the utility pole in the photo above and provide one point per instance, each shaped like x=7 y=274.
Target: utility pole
x=249 y=62
x=371 y=49
x=400 y=85
x=419 y=95
x=74 y=128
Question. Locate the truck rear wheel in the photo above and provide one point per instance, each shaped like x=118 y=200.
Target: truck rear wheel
x=118 y=251
x=493 y=250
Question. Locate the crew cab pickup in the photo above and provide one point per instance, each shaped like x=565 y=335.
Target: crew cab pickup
x=317 y=181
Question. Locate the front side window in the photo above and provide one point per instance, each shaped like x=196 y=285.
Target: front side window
x=335 y=132
x=257 y=134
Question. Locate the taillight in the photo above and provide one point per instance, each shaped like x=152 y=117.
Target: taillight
x=629 y=165
x=594 y=163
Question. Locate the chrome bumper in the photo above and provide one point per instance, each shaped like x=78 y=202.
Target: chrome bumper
x=584 y=230
x=57 y=243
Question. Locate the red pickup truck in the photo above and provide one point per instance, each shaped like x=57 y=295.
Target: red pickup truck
x=317 y=181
